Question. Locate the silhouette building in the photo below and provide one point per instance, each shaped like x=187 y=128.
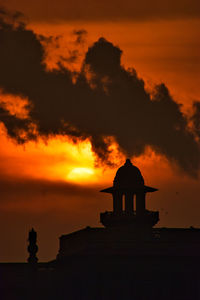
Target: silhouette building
x=129 y=184
x=127 y=258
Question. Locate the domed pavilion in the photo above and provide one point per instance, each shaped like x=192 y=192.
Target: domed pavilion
x=129 y=203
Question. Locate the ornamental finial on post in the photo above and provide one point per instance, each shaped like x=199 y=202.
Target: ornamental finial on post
x=32 y=247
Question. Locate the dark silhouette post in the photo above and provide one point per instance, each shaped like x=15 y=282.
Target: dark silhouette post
x=32 y=247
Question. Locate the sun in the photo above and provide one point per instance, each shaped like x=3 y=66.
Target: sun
x=80 y=174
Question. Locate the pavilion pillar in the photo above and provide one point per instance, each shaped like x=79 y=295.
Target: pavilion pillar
x=140 y=203
x=117 y=202
x=129 y=202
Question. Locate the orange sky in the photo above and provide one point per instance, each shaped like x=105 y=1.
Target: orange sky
x=53 y=184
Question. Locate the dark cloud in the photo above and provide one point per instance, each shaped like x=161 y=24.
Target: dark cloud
x=113 y=10
x=80 y=35
x=19 y=129
x=106 y=100
x=196 y=118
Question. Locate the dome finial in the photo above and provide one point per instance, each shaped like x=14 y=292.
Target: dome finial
x=128 y=162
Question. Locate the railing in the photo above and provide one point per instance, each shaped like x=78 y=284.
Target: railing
x=133 y=213
x=149 y=217
x=122 y=213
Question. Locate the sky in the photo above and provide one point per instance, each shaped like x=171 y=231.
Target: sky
x=83 y=85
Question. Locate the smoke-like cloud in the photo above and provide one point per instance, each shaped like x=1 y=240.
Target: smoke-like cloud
x=196 y=118
x=80 y=36
x=17 y=128
x=106 y=100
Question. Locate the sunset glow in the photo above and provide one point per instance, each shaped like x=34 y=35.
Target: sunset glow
x=80 y=174
x=60 y=159
x=56 y=158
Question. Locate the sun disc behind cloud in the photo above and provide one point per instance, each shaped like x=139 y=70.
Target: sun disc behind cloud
x=80 y=174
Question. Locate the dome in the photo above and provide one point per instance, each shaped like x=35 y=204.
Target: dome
x=128 y=176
